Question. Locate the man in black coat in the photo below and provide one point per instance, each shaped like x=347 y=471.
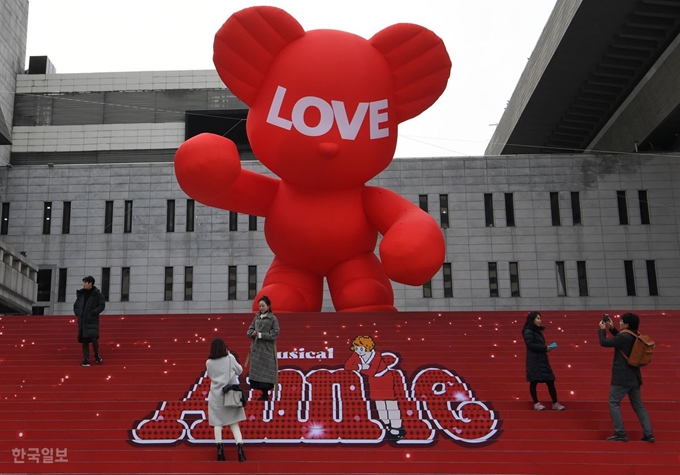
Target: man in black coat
x=89 y=304
x=626 y=379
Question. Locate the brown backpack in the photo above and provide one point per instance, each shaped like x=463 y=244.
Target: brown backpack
x=642 y=351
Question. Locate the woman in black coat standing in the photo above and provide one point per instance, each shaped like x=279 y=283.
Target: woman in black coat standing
x=538 y=366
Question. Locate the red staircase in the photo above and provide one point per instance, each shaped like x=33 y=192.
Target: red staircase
x=459 y=383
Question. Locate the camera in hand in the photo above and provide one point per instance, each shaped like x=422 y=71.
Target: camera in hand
x=605 y=318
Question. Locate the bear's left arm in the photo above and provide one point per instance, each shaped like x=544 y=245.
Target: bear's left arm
x=413 y=248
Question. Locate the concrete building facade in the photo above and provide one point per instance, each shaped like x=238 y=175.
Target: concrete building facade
x=602 y=78
x=13 y=24
x=532 y=231
x=17 y=274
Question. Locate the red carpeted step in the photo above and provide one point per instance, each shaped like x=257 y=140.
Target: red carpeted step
x=154 y=364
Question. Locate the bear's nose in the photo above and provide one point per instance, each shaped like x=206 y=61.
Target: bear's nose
x=328 y=149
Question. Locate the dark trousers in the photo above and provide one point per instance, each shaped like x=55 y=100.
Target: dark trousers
x=616 y=394
x=261 y=386
x=551 y=390
x=86 y=347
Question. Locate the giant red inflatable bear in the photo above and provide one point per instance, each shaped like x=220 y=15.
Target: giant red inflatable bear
x=324 y=110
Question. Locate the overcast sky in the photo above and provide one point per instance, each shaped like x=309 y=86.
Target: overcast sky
x=489 y=42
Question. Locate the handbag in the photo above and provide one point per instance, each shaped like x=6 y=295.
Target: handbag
x=233 y=398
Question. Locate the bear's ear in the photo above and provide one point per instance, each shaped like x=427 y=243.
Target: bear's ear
x=247 y=44
x=420 y=66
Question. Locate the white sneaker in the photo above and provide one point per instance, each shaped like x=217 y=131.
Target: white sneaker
x=558 y=407
x=539 y=407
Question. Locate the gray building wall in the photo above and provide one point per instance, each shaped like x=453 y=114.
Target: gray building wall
x=654 y=99
x=13 y=24
x=547 y=44
x=534 y=242
x=107 y=159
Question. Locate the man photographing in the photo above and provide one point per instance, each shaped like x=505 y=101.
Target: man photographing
x=626 y=379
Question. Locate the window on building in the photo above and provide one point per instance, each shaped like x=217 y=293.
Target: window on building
x=43 y=109
x=61 y=290
x=233 y=221
x=106 y=282
x=422 y=202
x=125 y=284
x=644 y=207
x=231 y=291
x=44 y=285
x=493 y=279
x=575 y=208
x=220 y=119
x=651 y=279
x=488 y=209
x=630 y=278
x=170 y=217
x=167 y=294
x=427 y=289
x=582 y=278
x=66 y=218
x=108 y=217
x=47 y=217
x=252 y=282
x=623 y=206
x=444 y=210
x=514 y=279
x=127 y=219
x=191 y=216
x=252 y=223
x=509 y=210
x=448 y=280
x=561 y=279
x=188 y=283
x=4 y=225
x=555 y=208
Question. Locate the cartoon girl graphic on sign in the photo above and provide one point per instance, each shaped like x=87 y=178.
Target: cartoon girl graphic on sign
x=380 y=377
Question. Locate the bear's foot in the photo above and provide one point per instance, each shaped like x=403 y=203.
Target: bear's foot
x=372 y=308
x=286 y=298
x=363 y=295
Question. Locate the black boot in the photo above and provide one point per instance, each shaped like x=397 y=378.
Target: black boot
x=241 y=455
x=220 y=452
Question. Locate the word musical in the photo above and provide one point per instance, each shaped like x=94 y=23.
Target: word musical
x=330 y=113
x=303 y=354
x=40 y=455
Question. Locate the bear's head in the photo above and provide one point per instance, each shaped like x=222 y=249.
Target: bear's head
x=325 y=104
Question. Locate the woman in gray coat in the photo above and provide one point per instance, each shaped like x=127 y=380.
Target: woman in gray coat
x=264 y=367
x=223 y=370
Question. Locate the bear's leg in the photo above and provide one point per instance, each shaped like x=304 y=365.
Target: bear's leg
x=361 y=285
x=291 y=289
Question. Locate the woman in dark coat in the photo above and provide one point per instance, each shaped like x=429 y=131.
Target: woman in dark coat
x=264 y=367
x=538 y=367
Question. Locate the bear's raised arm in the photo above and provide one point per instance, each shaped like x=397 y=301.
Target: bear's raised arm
x=208 y=169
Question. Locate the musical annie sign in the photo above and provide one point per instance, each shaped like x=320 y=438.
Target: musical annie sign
x=368 y=400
